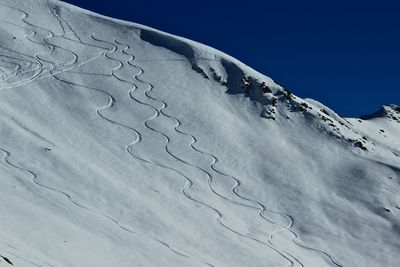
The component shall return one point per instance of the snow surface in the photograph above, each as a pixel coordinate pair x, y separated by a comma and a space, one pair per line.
125, 146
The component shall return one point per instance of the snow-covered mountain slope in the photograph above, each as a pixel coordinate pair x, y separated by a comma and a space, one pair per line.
125, 146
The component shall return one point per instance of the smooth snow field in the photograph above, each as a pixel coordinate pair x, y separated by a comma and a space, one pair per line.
124, 146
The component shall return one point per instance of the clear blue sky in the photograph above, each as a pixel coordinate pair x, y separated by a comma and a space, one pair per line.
345, 54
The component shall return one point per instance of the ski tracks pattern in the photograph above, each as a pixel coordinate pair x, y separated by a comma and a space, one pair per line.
237, 183
157, 113
110, 102
130, 147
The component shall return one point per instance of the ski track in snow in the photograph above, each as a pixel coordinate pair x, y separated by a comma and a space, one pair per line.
44, 72
6, 161
129, 148
167, 141
110, 104
22, 258
215, 160
65, 194
23, 18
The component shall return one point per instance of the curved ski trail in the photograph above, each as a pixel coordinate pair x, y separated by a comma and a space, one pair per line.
237, 183
188, 180
129, 148
34, 176
110, 104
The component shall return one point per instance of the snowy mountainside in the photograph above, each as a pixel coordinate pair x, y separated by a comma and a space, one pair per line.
125, 146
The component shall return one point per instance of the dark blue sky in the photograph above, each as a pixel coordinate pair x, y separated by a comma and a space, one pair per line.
346, 54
